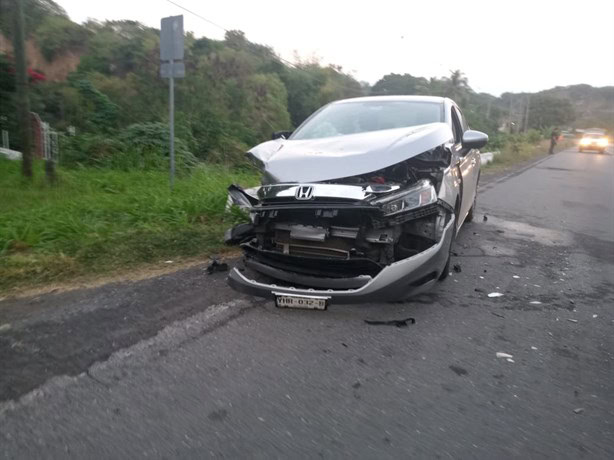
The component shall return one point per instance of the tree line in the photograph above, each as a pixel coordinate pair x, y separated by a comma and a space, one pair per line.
234, 94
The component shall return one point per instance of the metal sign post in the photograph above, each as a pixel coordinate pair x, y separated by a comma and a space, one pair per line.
171, 67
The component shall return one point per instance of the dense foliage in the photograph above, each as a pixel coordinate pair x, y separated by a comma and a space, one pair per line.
234, 95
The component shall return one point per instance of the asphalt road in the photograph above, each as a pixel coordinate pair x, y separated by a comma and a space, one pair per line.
179, 366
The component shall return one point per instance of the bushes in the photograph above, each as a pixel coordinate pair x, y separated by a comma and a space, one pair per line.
141, 146
57, 34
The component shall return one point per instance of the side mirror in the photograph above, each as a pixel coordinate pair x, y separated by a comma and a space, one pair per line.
281, 135
474, 139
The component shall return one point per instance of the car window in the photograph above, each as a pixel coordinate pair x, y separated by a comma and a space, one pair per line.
365, 116
463, 120
456, 127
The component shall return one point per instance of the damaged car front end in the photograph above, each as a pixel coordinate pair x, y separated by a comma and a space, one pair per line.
358, 217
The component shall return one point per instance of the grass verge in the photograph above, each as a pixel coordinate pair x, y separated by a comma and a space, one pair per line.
520, 151
99, 221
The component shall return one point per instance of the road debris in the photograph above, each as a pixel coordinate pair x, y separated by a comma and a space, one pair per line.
594, 316
515, 277
535, 302
217, 266
534, 348
168, 261
579, 410
497, 314
392, 322
495, 294
572, 320
500, 354
457, 268
485, 219
478, 290
5, 327
510, 360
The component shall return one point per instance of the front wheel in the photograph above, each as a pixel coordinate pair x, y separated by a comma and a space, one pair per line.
446, 270
469, 217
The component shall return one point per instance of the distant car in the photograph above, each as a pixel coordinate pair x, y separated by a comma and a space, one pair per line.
361, 203
593, 141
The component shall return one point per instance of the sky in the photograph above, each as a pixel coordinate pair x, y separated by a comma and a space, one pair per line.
500, 45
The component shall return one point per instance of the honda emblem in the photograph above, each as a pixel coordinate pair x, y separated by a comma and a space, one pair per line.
304, 192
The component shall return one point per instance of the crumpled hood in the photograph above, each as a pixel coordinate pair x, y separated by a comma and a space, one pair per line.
315, 160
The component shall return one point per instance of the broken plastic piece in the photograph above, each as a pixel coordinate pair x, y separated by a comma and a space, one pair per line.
216, 266
457, 268
393, 322
500, 354
495, 294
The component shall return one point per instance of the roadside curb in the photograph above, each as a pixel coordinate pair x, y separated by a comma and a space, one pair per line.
497, 179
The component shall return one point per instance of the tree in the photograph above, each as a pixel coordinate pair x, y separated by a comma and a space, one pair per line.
21, 84
456, 86
396, 84
547, 111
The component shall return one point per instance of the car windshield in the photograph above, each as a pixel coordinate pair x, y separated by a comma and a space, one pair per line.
364, 116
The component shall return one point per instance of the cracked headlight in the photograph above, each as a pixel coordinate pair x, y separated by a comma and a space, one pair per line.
420, 195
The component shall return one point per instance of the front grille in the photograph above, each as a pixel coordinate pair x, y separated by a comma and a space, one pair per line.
314, 265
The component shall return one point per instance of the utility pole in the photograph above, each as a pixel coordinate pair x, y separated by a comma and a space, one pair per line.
21, 83
526, 113
510, 116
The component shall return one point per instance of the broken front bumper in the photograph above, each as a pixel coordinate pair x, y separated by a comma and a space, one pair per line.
395, 281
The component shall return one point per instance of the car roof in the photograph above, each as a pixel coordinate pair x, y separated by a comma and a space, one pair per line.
435, 99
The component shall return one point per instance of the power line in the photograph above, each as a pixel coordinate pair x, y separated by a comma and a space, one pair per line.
285, 61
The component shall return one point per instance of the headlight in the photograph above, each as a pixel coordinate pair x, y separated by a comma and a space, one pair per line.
585, 141
420, 195
603, 142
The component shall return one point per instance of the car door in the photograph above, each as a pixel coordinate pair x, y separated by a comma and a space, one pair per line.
469, 164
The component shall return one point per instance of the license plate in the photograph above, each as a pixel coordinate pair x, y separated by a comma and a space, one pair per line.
295, 301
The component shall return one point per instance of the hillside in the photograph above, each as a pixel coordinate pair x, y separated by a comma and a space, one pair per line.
103, 79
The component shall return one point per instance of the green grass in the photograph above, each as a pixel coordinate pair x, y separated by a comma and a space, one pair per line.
98, 221
518, 152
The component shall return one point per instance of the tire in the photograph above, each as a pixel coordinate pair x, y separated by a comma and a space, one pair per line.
446, 270
469, 217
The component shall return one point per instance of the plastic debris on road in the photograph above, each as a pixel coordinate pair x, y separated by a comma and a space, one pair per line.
535, 302
572, 320
495, 294
500, 354
579, 410
217, 266
392, 322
